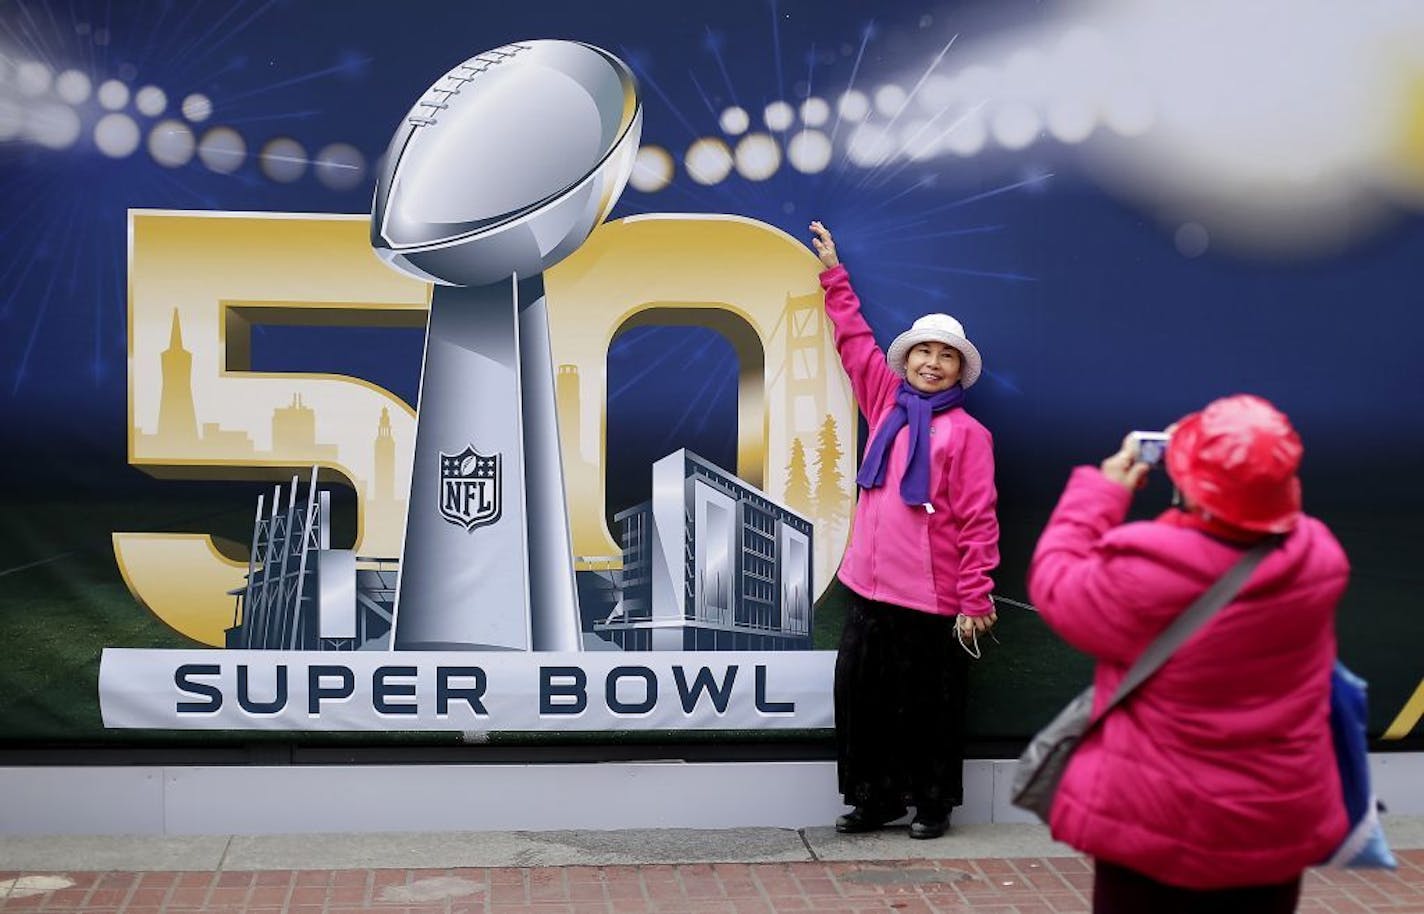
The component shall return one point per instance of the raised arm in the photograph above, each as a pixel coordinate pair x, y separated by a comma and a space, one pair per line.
871, 379
1091, 591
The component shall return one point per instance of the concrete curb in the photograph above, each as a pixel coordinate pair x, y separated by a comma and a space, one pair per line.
454, 850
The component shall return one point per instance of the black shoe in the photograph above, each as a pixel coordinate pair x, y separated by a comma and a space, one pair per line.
867, 818
929, 824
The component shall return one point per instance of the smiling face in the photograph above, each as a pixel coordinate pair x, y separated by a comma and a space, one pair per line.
932, 366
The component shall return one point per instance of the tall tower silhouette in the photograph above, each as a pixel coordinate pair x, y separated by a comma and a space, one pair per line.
566, 395
384, 507
806, 358
385, 481
177, 419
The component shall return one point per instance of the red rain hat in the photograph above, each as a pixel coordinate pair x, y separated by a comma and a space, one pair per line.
1236, 462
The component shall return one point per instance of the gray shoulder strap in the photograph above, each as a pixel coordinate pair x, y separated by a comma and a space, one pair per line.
1192, 618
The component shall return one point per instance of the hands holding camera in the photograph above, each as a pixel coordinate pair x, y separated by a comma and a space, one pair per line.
1140, 452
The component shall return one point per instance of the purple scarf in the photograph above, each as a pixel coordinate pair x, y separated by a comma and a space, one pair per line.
914, 409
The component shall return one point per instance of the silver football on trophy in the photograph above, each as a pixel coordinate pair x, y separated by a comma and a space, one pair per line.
507, 163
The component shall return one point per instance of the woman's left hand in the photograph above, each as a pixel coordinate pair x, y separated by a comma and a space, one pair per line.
977, 624
825, 245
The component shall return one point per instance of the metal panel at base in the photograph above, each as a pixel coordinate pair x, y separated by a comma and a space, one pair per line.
290, 799
295, 799
81, 801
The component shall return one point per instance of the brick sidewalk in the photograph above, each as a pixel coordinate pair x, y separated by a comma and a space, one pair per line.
1021, 886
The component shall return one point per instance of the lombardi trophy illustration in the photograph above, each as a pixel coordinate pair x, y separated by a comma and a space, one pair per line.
500, 170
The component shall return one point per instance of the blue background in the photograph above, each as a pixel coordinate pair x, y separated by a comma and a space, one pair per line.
1090, 321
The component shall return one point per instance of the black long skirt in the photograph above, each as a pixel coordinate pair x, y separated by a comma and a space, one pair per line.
900, 688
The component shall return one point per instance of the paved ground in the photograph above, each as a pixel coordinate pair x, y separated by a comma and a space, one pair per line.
1004, 869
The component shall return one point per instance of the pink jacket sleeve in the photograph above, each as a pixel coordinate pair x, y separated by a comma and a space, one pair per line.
1084, 586
871, 379
972, 501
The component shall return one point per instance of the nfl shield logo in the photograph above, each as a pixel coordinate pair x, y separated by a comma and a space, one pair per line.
469, 488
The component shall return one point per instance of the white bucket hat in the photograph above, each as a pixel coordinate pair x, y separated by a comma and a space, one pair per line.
941, 328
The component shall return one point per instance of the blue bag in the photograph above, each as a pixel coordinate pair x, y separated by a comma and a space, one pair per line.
1364, 844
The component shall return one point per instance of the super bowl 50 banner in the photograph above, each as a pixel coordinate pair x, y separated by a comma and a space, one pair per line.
477, 379
716, 560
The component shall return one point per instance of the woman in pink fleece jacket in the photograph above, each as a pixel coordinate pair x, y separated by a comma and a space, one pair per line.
1214, 785
923, 542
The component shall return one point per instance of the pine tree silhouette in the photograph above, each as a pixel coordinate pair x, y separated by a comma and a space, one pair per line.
832, 499
798, 484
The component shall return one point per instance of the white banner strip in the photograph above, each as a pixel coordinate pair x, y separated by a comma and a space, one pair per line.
466, 691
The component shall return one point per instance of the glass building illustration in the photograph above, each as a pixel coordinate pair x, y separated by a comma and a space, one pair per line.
710, 563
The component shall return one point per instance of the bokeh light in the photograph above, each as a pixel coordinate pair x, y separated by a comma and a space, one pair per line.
708, 161
340, 166
853, 106
815, 112
652, 169
889, 100
1129, 112
171, 143
1071, 120
222, 150
113, 94
151, 101
33, 78
197, 108
1015, 125
73, 87
809, 151
870, 145
779, 116
116, 135
283, 160
758, 157
966, 136
53, 125
735, 121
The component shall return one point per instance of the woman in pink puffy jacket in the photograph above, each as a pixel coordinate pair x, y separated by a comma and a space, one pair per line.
1213, 786
923, 542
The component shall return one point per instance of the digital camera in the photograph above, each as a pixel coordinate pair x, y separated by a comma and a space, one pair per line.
1151, 446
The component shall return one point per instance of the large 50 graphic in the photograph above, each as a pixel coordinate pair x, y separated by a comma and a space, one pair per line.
200, 282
